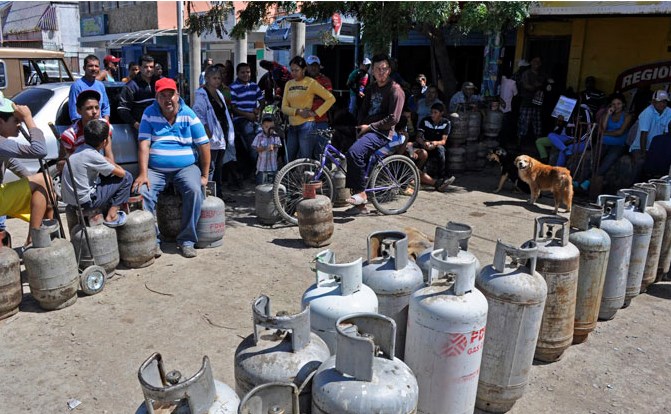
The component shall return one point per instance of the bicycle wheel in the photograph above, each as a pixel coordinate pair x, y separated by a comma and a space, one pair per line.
288, 186
394, 184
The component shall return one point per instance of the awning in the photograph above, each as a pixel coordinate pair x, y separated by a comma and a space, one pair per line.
117, 40
141, 37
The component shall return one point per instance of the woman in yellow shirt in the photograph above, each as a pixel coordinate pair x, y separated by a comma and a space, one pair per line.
296, 103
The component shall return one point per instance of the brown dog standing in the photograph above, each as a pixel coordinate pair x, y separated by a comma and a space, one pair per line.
542, 177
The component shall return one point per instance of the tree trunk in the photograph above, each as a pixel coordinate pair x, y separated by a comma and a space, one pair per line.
445, 80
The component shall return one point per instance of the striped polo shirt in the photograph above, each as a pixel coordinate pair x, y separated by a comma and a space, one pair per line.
172, 147
245, 97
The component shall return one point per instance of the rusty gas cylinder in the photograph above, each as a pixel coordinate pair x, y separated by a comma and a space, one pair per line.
594, 246
315, 218
10, 282
558, 261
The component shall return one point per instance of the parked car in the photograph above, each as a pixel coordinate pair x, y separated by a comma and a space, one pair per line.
21, 68
49, 103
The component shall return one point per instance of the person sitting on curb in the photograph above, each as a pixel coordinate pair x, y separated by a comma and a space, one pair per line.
26, 198
430, 143
99, 182
173, 148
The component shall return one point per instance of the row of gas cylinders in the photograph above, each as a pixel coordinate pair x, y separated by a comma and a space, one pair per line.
53, 267
441, 334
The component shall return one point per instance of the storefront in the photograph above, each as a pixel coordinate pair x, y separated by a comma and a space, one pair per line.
600, 39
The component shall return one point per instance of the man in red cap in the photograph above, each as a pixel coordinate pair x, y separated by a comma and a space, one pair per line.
111, 71
173, 148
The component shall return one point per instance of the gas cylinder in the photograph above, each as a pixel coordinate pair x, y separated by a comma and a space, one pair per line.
340, 192
212, 221
11, 291
364, 377
281, 349
338, 291
516, 296
474, 120
459, 130
266, 212
658, 214
137, 238
493, 121
558, 261
621, 233
169, 214
166, 391
446, 331
663, 197
634, 211
393, 278
315, 221
594, 246
458, 231
104, 247
53, 276
272, 398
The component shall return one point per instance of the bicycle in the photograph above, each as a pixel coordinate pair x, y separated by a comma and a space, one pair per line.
392, 181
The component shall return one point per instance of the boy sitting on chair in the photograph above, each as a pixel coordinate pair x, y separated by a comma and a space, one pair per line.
27, 197
99, 182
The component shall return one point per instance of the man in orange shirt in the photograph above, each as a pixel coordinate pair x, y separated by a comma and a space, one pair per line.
321, 122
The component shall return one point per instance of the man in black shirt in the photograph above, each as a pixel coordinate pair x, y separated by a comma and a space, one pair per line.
432, 133
380, 112
138, 94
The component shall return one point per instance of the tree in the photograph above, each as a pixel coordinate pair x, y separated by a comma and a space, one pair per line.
384, 21
210, 21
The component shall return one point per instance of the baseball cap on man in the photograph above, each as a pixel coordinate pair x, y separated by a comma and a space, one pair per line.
660, 96
313, 59
5, 104
110, 58
164, 84
86, 95
366, 61
468, 85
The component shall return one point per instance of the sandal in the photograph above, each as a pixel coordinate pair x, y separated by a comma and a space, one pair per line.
359, 210
120, 220
443, 184
356, 200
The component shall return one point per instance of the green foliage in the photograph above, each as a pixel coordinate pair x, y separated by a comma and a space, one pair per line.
210, 21
383, 21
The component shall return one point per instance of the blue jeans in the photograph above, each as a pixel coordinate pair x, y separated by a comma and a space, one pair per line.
187, 183
352, 104
611, 153
300, 141
112, 191
245, 131
357, 159
216, 167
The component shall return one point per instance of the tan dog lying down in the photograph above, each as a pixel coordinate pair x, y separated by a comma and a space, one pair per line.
417, 242
542, 177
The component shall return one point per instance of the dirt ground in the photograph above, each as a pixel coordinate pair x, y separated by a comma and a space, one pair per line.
188, 308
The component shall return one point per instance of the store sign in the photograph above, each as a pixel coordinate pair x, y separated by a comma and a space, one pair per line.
645, 75
94, 25
336, 20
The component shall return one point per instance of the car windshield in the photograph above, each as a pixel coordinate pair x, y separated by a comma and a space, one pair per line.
33, 98
46, 71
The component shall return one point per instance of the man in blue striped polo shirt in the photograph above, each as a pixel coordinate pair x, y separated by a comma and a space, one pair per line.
245, 97
173, 148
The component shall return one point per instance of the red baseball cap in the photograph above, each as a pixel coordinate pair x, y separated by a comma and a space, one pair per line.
164, 84
110, 58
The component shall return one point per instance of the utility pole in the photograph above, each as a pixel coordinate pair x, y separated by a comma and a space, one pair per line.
180, 47
297, 38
